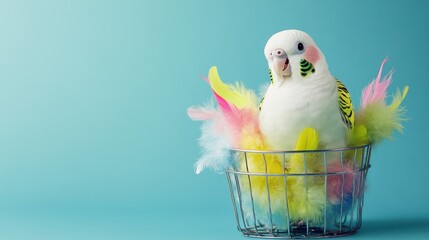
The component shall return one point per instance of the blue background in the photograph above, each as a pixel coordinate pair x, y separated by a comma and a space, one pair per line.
94, 138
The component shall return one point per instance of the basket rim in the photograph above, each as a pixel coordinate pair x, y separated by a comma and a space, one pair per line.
369, 145
321, 174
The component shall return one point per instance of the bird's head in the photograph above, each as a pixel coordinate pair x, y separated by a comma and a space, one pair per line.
293, 54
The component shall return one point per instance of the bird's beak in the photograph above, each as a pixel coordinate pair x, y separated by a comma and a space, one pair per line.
281, 63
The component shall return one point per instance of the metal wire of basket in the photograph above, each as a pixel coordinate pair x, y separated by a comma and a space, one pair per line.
262, 212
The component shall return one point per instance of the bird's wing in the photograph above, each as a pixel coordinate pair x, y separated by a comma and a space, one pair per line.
345, 104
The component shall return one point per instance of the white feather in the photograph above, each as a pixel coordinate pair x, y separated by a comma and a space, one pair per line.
287, 110
215, 145
263, 89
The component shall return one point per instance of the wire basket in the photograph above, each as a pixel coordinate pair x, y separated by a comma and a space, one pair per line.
298, 194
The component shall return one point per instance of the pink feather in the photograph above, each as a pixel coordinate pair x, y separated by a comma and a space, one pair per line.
206, 79
337, 182
222, 129
202, 113
237, 119
377, 89
223, 104
233, 117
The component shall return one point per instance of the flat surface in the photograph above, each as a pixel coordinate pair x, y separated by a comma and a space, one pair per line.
94, 138
174, 226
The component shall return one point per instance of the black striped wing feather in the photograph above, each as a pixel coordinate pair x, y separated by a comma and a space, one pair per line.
345, 104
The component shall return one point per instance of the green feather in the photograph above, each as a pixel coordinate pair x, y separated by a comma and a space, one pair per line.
306, 67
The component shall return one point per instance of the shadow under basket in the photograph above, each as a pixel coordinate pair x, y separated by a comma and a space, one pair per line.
298, 194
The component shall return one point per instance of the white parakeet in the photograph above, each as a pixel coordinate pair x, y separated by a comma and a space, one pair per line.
302, 94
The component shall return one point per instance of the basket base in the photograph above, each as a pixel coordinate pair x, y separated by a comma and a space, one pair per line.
296, 233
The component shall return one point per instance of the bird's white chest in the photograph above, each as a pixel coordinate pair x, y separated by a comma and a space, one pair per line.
291, 107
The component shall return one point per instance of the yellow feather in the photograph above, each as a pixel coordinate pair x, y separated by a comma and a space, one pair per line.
302, 202
308, 140
398, 98
306, 202
357, 136
236, 95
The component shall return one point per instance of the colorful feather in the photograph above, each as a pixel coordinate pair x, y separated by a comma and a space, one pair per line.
340, 185
234, 124
215, 154
375, 117
229, 94
302, 203
377, 89
305, 193
202, 113
357, 136
214, 140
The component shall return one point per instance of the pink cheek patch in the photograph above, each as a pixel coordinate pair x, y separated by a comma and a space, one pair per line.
312, 54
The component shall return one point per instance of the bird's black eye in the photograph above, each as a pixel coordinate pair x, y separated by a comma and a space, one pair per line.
300, 46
